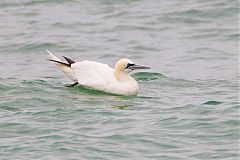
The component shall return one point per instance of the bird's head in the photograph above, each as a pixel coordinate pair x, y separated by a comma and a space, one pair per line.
126, 66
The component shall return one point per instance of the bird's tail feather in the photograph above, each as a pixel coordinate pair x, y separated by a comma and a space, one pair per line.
65, 67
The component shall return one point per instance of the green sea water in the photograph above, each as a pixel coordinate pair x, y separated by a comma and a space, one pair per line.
188, 104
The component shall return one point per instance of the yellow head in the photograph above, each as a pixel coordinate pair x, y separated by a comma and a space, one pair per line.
125, 66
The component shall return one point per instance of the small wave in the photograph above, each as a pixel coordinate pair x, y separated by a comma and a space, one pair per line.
31, 3
212, 103
29, 48
148, 76
8, 108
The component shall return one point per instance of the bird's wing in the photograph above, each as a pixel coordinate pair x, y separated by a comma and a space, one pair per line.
94, 75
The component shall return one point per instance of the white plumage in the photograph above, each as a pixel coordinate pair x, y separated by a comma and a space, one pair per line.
101, 77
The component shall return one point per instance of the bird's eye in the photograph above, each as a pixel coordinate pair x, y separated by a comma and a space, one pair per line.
129, 65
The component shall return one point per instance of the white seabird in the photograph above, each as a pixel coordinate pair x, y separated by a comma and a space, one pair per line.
101, 77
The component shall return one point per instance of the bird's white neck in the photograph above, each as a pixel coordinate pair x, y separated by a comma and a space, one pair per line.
122, 76
126, 83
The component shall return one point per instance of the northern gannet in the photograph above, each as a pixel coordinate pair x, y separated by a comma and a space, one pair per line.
101, 77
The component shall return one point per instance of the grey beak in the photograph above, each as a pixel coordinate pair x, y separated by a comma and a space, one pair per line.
137, 66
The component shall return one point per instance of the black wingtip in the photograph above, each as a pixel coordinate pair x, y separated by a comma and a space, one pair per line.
69, 65
69, 60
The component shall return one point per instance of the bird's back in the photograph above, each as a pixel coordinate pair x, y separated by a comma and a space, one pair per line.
93, 74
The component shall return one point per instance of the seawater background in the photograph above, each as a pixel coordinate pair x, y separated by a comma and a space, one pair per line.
188, 105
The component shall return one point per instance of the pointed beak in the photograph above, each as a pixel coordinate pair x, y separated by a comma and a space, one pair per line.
137, 66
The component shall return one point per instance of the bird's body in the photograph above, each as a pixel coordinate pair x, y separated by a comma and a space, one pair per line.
99, 76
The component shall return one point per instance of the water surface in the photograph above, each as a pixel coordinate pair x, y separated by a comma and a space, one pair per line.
188, 105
